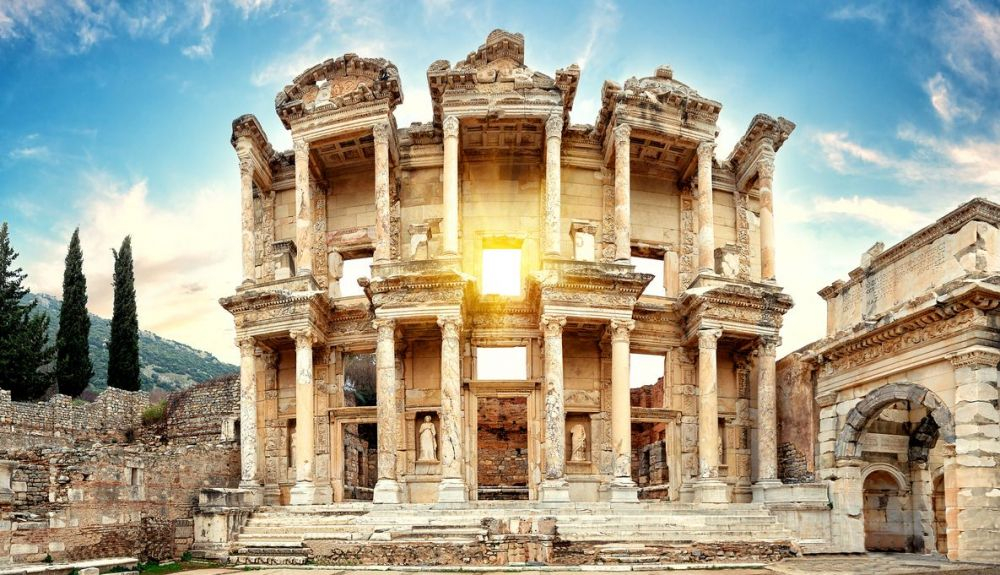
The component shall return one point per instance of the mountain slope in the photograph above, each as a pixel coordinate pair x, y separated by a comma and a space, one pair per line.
165, 364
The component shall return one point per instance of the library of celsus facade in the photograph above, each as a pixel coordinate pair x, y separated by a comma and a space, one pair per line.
501, 241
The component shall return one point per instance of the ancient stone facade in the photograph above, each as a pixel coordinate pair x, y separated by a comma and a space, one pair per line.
902, 421
499, 168
89, 480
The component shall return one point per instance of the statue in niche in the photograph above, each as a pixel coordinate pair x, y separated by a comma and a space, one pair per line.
428, 440
578, 443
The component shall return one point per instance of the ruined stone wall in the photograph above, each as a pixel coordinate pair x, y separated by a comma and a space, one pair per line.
111, 486
797, 421
61, 420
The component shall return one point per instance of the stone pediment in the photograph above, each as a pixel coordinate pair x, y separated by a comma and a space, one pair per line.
339, 83
660, 91
497, 67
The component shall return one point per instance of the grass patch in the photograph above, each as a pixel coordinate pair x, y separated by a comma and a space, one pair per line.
154, 413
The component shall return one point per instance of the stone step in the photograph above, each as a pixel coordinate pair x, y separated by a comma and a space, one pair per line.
268, 560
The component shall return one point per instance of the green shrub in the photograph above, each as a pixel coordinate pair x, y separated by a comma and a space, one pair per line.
154, 413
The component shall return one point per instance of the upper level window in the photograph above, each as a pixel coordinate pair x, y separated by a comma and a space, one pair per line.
354, 269
502, 271
502, 363
651, 266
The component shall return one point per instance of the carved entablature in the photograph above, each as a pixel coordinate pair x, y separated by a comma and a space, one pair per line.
754, 152
337, 84
432, 287
504, 316
495, 74
736, 308
352, 327
672, 105
595, 286
264, 313
252, 147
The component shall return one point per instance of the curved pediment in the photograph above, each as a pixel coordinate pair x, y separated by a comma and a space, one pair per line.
339, 83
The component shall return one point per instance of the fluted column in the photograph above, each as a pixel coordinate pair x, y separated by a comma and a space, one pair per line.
382, 203
765, 179
554, 487
304, 491
623, 195
706, 209
709, 488
303, 209
248, 221
767, 419
452, 487
386, 489
622, 486
553, 184
250, 473
449, 223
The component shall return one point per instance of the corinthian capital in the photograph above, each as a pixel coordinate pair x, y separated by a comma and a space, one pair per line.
552, 325
765, 169
622, 134
976, 356
303, 337
381, 133
554, 126
450, 127
246, 167
246, 345
708, 338
450, 325
621, 329
768, 345
386, 328
301, 147
705, 151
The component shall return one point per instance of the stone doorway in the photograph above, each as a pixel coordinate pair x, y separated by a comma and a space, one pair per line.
650, 465
940, 516
885, 513
502, 448
360, 442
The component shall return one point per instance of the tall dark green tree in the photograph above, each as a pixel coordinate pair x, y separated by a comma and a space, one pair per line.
123, 349
73, 366
24, 342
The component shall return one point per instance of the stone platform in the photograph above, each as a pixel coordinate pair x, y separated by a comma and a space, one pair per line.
510, 533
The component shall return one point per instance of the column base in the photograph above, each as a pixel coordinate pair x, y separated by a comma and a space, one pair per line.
623, 490
710, 491
452, 490
304, 493
554, 491
686, 493
255, 492
387, 491
761, 487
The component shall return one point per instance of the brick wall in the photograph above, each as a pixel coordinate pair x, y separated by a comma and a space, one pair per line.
503, 442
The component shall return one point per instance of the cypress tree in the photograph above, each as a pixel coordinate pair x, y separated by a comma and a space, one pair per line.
123, 349
24, 342
73, 366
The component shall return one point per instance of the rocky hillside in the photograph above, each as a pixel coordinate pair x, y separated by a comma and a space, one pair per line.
165, 364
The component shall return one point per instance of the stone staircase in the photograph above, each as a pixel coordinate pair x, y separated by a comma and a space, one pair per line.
501, 532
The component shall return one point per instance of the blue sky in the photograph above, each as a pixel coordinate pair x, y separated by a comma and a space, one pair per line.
116, 117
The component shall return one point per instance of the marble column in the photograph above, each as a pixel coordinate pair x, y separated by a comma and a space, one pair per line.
303, 209
623, 201
765, 179
449, 223
708, 489
767, 418
246, 208
706, 209
452, 488
554, 486
623, 489
250, 472
386, 488
304, 491
382, 201
553, 185
273, 429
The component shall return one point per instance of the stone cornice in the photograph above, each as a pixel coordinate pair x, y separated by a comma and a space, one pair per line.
344, 82
977, 209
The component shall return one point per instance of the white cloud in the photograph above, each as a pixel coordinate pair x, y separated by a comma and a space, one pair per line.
969, 35
30, 153
186, 255
896, 219
875, 13
248, 7
840, 152
602, 20
946, 103
200, 51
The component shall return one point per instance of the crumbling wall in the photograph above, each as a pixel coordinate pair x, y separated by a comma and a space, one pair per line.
503, 444
797, 421
111, 486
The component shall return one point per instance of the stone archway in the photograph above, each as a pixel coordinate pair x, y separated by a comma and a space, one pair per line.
886, 513
848, 441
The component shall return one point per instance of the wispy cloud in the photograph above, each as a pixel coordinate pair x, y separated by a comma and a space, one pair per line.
177, 282
946, 102
895, 218
201, 50
248, 7
603, 19
30, 153
969, 36
281, 70
870, 12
